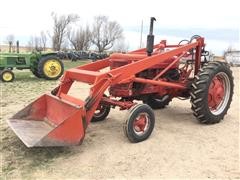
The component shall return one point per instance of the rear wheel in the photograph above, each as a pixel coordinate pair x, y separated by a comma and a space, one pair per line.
34, 68
212, 91
50, 67
158, 102
139, 123
35, 73
7, 76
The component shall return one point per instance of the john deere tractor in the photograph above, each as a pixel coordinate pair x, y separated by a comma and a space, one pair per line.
42, 65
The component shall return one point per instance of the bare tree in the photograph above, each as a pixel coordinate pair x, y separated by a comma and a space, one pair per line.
60, 28
121, 46
30, 44
105, 33
230, 48
34, 44
10, 40
37, 43
43, 38
81, 39
65, 46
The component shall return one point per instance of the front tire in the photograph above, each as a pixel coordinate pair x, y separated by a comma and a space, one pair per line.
7, 76
101, 113
212, 91
139, 123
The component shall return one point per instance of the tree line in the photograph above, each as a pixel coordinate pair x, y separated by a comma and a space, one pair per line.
102, 35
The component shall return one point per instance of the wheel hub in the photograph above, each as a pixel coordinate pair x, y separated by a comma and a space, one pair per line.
7, 76
100, 110
219, 93
216, 92
52, 68
141, 123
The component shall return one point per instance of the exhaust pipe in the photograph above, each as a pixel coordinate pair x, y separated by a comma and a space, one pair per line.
150, 38
10, 46
17, 46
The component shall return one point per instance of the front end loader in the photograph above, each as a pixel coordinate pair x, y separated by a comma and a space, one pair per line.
154, 75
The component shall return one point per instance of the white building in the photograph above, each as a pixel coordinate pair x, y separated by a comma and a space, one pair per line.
233, 58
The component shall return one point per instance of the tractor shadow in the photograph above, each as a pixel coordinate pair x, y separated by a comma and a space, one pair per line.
179, 114
177, 117
27, 77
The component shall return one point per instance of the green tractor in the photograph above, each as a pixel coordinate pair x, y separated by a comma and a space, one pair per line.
42, 65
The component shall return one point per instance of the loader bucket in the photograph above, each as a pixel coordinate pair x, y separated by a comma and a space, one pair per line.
49, 121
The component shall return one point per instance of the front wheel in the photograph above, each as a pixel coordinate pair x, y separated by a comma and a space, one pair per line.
139, 123
101, 112
7, 76
212, 91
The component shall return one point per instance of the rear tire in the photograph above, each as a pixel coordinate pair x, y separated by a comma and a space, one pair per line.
139, 123
35, 73
7, 76
50, 67
34, 68
212, 91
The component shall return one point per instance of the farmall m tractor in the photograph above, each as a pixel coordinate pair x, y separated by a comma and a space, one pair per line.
153, 75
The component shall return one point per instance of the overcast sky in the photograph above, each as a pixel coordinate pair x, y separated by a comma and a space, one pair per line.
218, 21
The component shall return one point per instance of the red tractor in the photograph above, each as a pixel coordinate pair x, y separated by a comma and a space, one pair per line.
154, 75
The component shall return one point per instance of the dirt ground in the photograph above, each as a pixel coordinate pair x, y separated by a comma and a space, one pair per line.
179, 146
